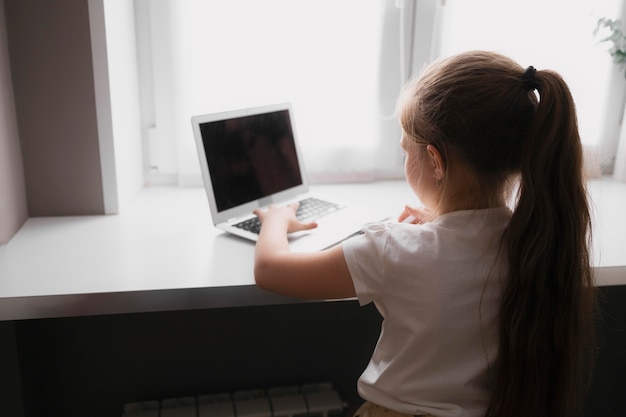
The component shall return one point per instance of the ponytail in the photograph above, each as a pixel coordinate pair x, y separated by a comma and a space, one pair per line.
546, 312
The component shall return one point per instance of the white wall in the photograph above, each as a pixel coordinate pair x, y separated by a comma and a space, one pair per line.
13, 209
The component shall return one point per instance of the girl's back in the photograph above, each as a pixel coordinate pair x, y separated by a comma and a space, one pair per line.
438, 287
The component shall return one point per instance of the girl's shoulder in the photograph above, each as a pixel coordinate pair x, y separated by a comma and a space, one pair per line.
446, 234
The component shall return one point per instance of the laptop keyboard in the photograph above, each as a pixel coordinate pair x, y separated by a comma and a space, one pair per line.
310, 209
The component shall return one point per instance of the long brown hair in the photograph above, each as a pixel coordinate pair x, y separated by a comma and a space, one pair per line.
507, 122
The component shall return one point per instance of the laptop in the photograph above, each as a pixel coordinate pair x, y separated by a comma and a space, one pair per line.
250, 159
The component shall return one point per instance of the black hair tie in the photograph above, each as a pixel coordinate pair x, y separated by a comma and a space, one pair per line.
529, 81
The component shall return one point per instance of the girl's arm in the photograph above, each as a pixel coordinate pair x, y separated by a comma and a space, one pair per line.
318, 275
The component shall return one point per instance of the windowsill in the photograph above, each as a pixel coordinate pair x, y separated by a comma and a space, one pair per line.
162, 253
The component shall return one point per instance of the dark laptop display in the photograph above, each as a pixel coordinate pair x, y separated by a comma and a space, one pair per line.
250, 157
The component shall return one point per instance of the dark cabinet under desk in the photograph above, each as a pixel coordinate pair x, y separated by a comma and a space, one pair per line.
94, 365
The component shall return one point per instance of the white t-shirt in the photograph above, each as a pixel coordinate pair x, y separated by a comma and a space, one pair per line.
437, 286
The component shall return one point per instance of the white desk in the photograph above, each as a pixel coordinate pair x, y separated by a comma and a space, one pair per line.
162, 253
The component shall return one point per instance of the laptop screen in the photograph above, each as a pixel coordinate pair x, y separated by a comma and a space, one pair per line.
250, 157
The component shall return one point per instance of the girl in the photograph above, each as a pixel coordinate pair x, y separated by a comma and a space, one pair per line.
487, 310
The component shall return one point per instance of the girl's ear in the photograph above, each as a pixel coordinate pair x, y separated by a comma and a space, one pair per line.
436, 161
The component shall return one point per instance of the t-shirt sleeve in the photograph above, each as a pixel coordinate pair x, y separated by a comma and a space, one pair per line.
364, 257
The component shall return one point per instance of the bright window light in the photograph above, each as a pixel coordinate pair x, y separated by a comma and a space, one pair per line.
322, 56
339, 63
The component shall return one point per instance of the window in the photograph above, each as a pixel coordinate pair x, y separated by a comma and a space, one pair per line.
337, 62
342, 64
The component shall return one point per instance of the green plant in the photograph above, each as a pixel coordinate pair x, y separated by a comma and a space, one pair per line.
611, 31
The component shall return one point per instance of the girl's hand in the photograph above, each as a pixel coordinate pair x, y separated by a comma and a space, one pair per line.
284, 216
414, 215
